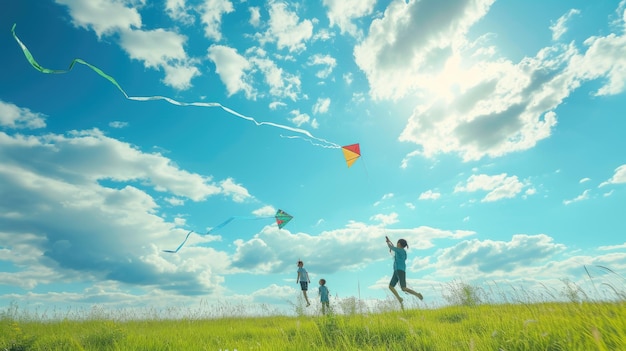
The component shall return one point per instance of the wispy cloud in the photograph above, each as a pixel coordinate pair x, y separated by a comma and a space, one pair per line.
498, 186
559, 27
581, 197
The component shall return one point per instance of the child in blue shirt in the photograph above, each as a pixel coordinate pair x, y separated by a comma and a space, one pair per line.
323, 291
399, 270
303, 279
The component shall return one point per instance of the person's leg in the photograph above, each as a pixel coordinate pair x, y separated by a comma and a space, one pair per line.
305, 287
402, 278
306, 298
392, 284
413, 292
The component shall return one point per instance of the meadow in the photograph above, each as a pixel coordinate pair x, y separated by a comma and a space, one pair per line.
468, 322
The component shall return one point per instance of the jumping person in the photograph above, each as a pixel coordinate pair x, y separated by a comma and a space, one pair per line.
399, 270
303, 279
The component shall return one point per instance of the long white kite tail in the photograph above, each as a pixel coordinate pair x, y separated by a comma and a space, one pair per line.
320, 142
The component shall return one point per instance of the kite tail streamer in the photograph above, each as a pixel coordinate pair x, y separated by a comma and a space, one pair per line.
221, 225
37, 66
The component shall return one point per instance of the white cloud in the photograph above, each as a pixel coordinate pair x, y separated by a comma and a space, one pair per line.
323, 60
413, 38
232, 68
276, 104
12, 116
385, 219
154, 47
272, 250
619, 177
387, 196
174, 201
157, 48
605, 58
300, 118
281, 83
584, 180
348, 78
321, 106
161, 49
429, 195
285, 28
489, 256
118, 124
264, 211
613, 247
103, 16
341, 13
255, 16
559, 27
476, 108
499, 186
211, 15
236, 191
177, 11
581, 197
56, 215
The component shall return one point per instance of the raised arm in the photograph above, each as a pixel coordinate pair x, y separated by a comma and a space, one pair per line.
389, 243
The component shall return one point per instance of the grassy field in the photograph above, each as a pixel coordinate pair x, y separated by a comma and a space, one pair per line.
536, 326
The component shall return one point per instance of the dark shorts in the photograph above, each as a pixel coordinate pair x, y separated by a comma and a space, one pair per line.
398, 276
304, 286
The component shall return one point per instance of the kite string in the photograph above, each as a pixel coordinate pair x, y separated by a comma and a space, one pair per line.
37, 66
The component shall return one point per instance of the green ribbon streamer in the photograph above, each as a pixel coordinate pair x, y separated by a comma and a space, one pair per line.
37, 66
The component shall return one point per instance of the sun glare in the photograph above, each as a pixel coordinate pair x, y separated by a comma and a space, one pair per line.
447, 83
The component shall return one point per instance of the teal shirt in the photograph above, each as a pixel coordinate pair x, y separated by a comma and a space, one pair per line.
323, 290
399, 261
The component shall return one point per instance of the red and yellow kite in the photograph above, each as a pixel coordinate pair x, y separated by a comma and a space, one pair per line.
351, 153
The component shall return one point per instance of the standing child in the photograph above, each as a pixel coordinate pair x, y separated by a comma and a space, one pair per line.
399, 269
323, 291
303, 279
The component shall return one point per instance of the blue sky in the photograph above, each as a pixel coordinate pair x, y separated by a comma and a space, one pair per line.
491, 132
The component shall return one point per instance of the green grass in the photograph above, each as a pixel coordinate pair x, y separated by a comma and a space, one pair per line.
473, 321
538, 326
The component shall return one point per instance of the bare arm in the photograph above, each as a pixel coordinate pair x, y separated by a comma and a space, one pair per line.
389, 243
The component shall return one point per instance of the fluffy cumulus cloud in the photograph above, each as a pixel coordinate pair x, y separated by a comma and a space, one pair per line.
154, 47
490, 256
286, 29
61, 223
272, 250
178, 11
342, 13
478, 108
412, 38
14, 117
103, 16
212, 12
281, 83
157, 48
232, 69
